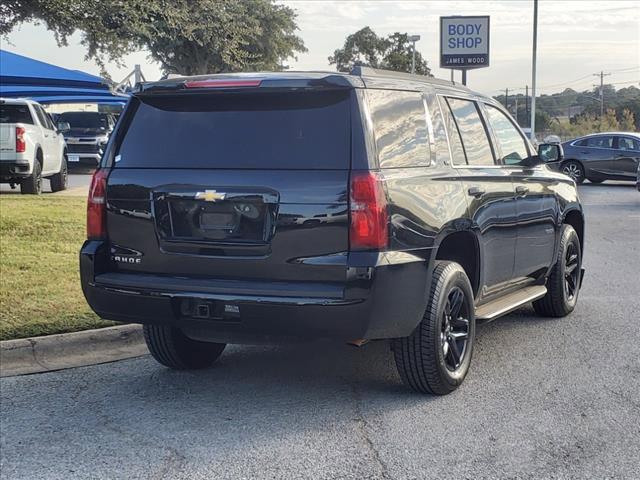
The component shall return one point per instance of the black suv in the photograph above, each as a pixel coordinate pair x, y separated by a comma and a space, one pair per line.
257, 207
86, 136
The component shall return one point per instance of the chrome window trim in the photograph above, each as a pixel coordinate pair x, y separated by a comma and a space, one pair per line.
573, 144
430, 132
446, 132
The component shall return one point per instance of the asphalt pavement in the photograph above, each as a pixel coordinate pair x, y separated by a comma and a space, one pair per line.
78, 185
545, 398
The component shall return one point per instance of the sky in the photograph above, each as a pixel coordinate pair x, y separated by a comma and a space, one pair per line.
576, 38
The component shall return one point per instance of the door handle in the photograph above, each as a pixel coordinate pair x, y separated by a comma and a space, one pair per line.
476, 192
520, 190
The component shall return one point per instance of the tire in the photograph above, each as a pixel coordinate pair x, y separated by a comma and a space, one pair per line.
574, 170
60, 180
33, 184
170, 347
596, 180
425, 360
563, 284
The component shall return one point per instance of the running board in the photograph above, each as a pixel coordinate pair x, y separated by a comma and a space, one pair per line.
503, 305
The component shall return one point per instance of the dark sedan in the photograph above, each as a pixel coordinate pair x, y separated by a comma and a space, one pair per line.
602, 156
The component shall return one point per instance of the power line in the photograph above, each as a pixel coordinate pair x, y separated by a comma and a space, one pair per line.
566, 83
627, 69
625, 83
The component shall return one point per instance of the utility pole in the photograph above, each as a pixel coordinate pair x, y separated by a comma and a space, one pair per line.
137, 74
506, 98
526, 103
517, 110
601, 75
533, 69
413, 39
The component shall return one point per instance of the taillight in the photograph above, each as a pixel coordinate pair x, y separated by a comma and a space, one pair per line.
368, 209
96, 206
21, 144
220, 83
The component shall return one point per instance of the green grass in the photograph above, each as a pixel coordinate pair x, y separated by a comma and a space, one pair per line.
40, 290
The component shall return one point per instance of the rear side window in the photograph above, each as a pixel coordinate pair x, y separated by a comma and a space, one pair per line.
472, 131
400, 128
626, 143
309, 130
12, 113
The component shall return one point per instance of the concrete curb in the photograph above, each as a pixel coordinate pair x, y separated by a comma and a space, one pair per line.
69, 350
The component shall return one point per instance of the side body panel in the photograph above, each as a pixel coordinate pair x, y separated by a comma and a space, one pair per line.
493, 217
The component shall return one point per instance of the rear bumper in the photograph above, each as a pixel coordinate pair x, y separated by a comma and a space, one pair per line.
384, 297
15, 169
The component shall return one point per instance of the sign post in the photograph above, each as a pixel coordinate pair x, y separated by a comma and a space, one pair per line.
464, 43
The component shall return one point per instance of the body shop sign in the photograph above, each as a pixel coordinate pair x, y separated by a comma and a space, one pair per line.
464, 42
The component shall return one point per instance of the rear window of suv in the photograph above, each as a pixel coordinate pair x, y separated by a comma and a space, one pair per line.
239, 131
15, 113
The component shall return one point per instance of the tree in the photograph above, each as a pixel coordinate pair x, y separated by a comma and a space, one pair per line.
582, 109
543, 120
364, 47
632, 108
185, 36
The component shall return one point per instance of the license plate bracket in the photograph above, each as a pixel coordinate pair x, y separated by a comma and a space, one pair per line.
226, 221
218, 311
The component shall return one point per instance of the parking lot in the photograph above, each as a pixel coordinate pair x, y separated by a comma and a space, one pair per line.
78, 185
545, 398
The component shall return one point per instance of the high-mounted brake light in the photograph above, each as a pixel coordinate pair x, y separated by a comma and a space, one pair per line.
96, 206
222, 83
368, 209
21, 144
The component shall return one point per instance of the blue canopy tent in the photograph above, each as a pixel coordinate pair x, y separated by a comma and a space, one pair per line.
45, 83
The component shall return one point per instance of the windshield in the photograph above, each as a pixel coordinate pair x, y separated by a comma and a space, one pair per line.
85, 119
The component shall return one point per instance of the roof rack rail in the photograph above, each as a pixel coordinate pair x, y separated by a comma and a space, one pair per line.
362, 71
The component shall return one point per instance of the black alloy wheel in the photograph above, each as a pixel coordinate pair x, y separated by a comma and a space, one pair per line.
454, 333
571, 271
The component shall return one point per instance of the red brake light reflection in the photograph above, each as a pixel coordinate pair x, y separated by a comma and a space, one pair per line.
222, 83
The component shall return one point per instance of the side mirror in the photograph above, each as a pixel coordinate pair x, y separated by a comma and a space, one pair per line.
550, 152
63, 127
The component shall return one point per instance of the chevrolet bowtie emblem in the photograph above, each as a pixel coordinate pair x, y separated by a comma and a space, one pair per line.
210, 196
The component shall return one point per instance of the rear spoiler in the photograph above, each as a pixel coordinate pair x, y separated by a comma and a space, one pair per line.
235, 83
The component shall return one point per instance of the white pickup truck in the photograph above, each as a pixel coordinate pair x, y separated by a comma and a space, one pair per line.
31, 147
